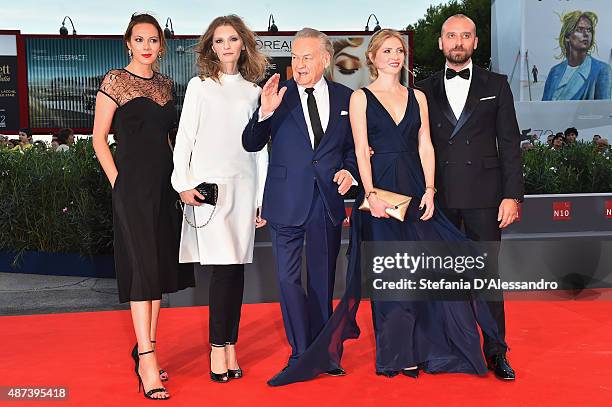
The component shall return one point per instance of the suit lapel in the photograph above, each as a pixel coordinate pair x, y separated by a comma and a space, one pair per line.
477, 87
295, 107
334, 110
443, 100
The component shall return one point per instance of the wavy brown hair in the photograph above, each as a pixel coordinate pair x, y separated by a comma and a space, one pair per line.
252, 64
146, 19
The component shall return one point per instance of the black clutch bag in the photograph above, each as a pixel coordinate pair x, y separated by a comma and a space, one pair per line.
210, 193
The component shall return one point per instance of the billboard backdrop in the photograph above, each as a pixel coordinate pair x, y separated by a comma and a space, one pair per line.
571, 55
9, 101
525, 34
64, 73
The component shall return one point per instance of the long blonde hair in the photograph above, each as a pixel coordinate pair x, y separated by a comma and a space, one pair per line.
569, 21
376, 42
252, 64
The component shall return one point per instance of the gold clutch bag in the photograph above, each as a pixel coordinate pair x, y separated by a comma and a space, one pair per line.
400, 203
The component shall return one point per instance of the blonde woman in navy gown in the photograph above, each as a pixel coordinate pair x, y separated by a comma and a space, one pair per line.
392, 120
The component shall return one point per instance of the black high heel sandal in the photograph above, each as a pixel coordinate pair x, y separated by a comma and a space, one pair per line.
161, 371
151, 392
234, 373
218, 377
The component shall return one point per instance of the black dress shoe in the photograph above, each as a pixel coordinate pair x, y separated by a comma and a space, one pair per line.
414, 373
387, 373
336, 372
501, 367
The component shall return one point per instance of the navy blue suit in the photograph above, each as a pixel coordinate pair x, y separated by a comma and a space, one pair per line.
302, 203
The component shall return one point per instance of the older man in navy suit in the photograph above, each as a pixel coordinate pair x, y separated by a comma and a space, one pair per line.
312, 164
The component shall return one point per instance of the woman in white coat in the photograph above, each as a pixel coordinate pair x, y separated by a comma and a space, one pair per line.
218, 105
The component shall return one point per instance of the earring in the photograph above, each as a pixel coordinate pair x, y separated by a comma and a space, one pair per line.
130, 53
159, 56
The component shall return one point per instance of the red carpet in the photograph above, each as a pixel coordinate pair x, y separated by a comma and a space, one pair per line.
562, 352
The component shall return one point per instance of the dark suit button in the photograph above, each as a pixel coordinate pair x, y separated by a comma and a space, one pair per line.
445, 162
469, 163
315, 162
450, 142
439, 125
467, 142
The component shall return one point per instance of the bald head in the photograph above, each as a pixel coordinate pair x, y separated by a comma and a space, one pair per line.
460, 19
458, 40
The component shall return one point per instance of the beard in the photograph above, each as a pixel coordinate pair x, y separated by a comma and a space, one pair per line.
456, 58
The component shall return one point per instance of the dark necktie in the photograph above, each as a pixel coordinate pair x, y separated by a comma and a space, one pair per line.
315, 120
463, 74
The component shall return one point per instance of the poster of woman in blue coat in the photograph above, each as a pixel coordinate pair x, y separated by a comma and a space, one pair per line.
579, 76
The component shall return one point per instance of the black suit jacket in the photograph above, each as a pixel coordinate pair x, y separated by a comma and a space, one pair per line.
478, 156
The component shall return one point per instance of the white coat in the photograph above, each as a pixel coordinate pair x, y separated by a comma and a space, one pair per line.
209, 149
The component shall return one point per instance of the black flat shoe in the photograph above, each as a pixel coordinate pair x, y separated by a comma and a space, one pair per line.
387, 373
336, 372
501, 367
235, 374
414, 373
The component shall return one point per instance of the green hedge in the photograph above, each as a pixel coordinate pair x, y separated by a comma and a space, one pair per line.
55, 202
579, 168
61, 202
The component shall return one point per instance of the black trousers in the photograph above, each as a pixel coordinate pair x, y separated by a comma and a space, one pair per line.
225, 301
481, 225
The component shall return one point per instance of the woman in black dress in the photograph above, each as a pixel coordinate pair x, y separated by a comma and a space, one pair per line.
139, 103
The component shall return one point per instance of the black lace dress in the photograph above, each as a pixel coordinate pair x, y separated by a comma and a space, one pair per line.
146, 220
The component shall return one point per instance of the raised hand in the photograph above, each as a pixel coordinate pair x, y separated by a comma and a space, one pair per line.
271, 97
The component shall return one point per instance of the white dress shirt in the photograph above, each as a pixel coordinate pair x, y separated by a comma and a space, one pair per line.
321, 94
457, 90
